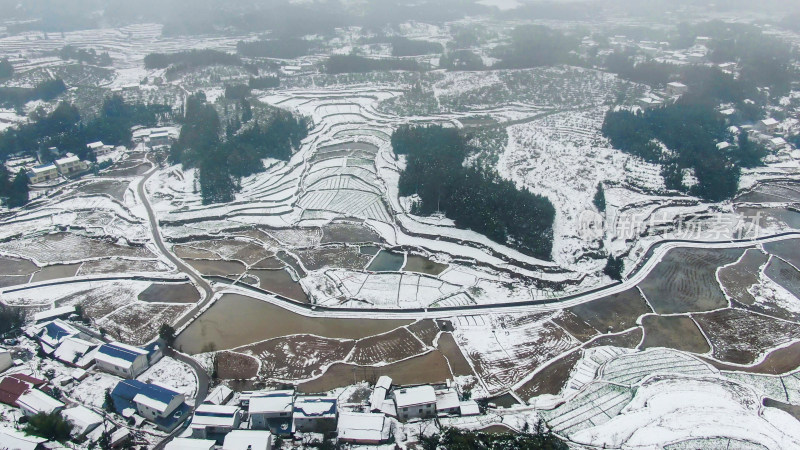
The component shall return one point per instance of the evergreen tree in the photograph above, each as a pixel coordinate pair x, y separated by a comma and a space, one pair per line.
6, 69
614, 268
247, 111
19, 191
600, 198
50, 426
167, 334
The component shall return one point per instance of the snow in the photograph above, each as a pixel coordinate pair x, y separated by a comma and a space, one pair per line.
419, 395
172, 374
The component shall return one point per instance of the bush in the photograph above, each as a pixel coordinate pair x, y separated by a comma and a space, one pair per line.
51, 426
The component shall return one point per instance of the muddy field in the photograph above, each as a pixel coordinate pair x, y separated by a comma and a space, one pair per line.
740, 336
237, 320
108, 266
342, 257
575, 326
114, 188
62, 247
428, 368
280, 282
616, 312
210, 267
629, 339
235, 366
16, 266
788, 250
424, 265
390, 347
685, 280
170, 293
552, 379
426, 330
349, 233
738, 278
56, 272
449, 348
297, 357
772, 192
677, 332
784, 274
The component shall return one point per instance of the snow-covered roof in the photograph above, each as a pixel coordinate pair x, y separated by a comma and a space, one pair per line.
723, 145
676, 84
377, 398
361, 427
316, 407
129, 392
219, 395
384, 382
83, 419
418, 395
43, 169
215, 416
247, 440
53, 313
17, 440
470, 408
76, 351
95, 145
36, 401
190, 444
52, 333
119, 355
446, 399
769, 122
271, 402
67, 160
777, 141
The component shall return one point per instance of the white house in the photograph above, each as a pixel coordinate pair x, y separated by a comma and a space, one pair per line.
776, 144
248, 440
314, 414
470, 408
190, 444
83, 420
51, 334
415, 402
43, 173
219, 396
70, 165
275, 406
35, 401
54, 313
17, 440
159, 139
362, 428
6, 360
164, 407
214, 421
447, 402
121, 359
378, 397
767, 125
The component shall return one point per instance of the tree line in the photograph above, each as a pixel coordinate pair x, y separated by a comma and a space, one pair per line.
358, 64
90, 56
16, 97
221, 163
191, 59
402, 46
690, 132
288, 48
475, 199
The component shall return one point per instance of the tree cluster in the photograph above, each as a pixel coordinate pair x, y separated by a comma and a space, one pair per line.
473, 198
535, 46
15, 97
14, 192
457, 439
237, 91
90, 56
190, 59
614, 268
276, 48
222, 163
6, 69
462, 60
268, 82
402, 46
359, 64
11, 318
690, 132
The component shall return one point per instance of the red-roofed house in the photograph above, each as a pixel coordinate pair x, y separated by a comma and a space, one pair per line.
11, 389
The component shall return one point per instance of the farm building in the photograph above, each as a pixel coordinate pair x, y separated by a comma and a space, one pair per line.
70, 165
54, 313
122, 359
272, 410
362, 428
415, 402
6, 361
314, 414
379, 393
214, 421
220, 395
447, 402
190, 444
51, 334
248, 440
162, 406
159, 139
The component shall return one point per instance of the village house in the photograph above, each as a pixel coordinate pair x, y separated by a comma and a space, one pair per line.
159, 138
447, 402
314, 414
272, 410
17, 440
123, 360
83, 420
214, 421
42, 174
34, 401
76, 352
415, 402
378, 397
248, 440
61, 312
769, 125
362, 428
162, 406
675, 89
51, 334
220, 395
70, 165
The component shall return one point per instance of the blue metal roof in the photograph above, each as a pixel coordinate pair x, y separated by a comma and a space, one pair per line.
118, 352
55, 331
126, 390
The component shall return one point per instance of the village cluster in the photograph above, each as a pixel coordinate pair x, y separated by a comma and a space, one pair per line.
131, 411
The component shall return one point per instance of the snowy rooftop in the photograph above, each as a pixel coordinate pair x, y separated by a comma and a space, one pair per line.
37, 401
76, 351
53, 313
418, 395
470, 408
271, 402
18, 440
67, 160
447, 399
215, 416
361, 427
43, 169
247, 440
95, 145
82, 418
128, 392
219, 395
384, 382
118, 354
320, 407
